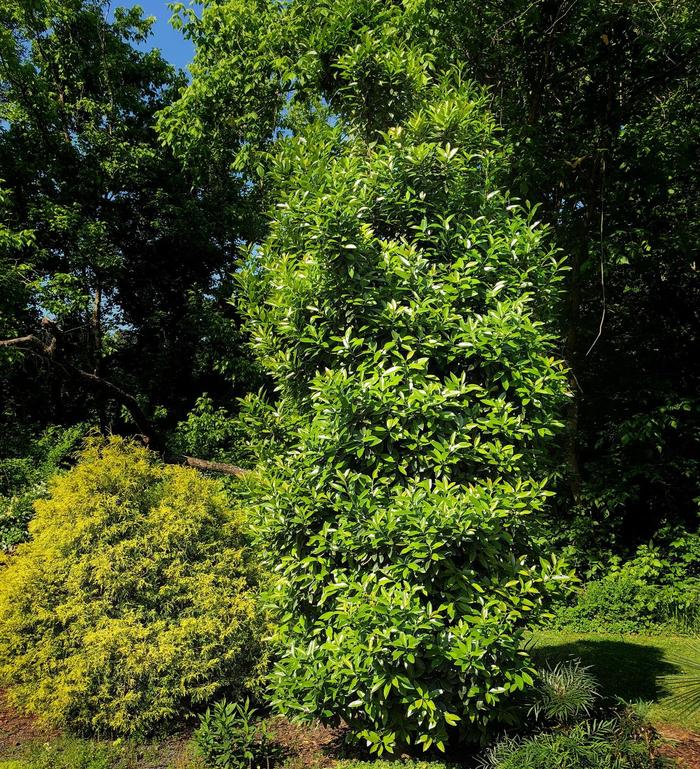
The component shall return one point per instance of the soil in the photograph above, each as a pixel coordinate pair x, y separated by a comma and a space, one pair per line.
303, 747
680, 745
308, 746
17, 730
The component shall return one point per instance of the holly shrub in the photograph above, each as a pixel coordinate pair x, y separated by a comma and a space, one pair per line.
134, 602
398, 305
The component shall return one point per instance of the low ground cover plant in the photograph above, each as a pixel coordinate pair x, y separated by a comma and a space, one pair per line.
657, 590
589, 745
563, 693
567, 728
134, 602
404, 764
66, 752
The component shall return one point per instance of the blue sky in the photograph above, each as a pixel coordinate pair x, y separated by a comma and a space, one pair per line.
174, 47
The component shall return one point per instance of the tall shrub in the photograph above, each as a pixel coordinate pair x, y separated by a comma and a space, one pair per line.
400, 304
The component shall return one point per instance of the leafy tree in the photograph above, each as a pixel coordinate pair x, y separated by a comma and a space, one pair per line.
600, 101
130, 254
400, 304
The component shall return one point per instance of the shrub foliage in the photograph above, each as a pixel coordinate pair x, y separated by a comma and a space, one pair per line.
656, 591
133, 602
609, 744
397, 305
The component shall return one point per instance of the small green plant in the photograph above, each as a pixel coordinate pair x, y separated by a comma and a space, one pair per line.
685, 686
564, 692
606, 744
230, 736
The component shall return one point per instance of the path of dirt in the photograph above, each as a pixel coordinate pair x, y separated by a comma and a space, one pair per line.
681, 745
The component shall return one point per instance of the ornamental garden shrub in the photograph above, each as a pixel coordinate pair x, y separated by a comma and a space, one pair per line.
400, 304
134, 602
597, 744
567, 725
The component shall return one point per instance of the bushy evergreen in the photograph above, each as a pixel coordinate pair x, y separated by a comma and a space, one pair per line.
134, 601
398, 305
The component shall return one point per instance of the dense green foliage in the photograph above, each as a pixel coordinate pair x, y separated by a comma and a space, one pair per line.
657, 590
103, 231
134, 600
600, 103
447, 253
400, 304
23, 479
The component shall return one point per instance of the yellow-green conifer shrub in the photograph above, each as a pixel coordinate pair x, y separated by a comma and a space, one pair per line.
134, 603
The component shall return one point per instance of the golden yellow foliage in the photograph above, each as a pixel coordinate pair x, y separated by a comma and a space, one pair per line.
134, 602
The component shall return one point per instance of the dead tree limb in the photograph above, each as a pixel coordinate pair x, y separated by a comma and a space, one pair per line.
212, 467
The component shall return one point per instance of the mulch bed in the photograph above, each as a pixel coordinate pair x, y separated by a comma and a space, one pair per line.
17, 730
306, 746
681, 745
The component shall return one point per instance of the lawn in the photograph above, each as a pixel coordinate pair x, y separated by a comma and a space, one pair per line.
628, 667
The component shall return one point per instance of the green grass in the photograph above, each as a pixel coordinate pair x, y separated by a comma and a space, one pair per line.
65, 752
626, 666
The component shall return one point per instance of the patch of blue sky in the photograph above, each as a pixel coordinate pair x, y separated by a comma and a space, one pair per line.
171, 42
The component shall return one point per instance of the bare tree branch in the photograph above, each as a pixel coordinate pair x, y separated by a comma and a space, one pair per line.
20, 340
213, 467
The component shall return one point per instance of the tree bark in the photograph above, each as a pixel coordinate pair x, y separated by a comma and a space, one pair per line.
573, 469
224, 468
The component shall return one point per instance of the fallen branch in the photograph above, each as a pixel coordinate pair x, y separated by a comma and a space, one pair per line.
212, 467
